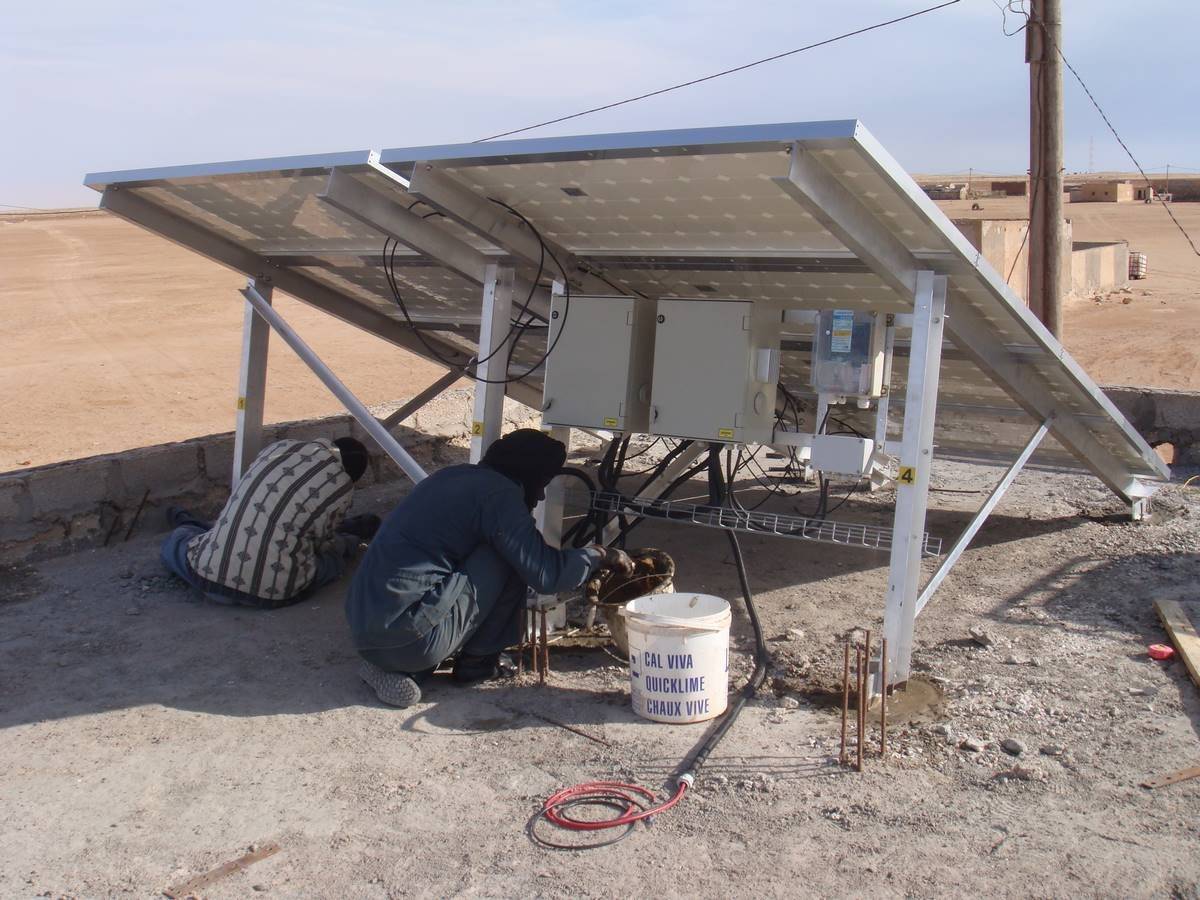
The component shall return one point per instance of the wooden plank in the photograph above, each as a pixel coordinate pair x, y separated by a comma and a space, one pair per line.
1173, 778
190, 888
1183, 634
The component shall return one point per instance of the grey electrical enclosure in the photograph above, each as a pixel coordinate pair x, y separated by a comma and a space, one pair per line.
716, 365
848, 354
599, 373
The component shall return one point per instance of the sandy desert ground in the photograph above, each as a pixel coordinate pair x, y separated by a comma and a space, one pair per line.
114, 338
1152, 339
147, 737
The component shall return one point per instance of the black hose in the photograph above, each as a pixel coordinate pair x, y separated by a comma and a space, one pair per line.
762, 656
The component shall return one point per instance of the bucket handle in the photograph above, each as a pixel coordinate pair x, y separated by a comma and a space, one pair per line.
670, 621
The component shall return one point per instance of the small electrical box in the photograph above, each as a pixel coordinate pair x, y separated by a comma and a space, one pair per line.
848, 354
842, 453
598, 372
716, 367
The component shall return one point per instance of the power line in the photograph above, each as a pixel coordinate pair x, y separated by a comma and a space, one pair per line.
1014, 7
742, 68
1165, 205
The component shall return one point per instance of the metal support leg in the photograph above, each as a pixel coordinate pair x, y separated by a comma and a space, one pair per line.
980, 517
252, 385
494, 329
883, 405
549, 516
353, 405
421, 399
916, 458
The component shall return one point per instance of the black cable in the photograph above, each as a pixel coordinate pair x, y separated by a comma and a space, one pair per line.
854, 487
750, 65
850, 429
509, 338
762, 656
390, 274
670, 489
566, 291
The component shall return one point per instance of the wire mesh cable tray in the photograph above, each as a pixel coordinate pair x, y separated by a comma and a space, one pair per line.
823, 531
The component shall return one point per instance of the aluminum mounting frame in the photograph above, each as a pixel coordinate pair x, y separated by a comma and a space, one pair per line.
921, 272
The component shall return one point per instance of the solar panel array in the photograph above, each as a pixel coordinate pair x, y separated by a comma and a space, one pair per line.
699, 214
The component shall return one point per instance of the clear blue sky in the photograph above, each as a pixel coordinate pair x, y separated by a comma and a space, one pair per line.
126, 83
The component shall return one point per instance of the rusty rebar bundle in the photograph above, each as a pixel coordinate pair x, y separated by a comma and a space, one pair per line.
863, 689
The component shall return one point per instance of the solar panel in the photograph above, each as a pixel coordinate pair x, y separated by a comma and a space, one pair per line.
710, 212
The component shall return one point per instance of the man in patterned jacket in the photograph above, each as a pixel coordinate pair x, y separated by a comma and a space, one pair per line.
281, 534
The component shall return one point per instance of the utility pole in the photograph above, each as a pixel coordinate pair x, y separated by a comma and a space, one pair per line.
1043, 37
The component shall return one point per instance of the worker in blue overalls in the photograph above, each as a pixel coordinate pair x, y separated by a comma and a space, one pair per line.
449, 570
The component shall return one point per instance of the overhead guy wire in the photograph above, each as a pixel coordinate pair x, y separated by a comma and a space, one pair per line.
1012, 6
741, 68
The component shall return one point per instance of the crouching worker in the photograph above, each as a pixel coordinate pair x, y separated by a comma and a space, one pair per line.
447, 573
281, 535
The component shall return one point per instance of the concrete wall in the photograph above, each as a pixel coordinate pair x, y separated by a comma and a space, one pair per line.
65, 506
1185, 190
1004, 244
1099, 267
1169, 420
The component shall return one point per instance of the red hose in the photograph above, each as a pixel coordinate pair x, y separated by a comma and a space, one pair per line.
606, 793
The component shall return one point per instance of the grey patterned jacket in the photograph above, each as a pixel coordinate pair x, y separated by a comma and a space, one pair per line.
283, 512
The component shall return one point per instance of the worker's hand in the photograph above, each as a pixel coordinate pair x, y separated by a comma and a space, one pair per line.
617, 560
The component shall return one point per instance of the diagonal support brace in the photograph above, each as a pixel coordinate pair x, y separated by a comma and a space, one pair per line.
981, 516
353, 405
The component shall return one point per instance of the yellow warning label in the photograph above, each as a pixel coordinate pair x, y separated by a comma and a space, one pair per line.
477, 429
241, 404
610, 422
908, 475
725, 433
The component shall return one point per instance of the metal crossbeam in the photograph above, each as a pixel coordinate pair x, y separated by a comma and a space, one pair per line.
823, 531
127, 205
421, 399
497, 225
384, 213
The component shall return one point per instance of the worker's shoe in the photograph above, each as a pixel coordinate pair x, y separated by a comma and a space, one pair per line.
469, 669
393, 688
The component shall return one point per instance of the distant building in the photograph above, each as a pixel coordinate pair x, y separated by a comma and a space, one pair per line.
1011, 188
1103, 192
1145, 193
1088, 268
946, 191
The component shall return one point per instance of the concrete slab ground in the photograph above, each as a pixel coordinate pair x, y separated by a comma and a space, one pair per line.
147, 737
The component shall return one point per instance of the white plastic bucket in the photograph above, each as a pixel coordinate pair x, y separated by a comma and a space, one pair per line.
678, 656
